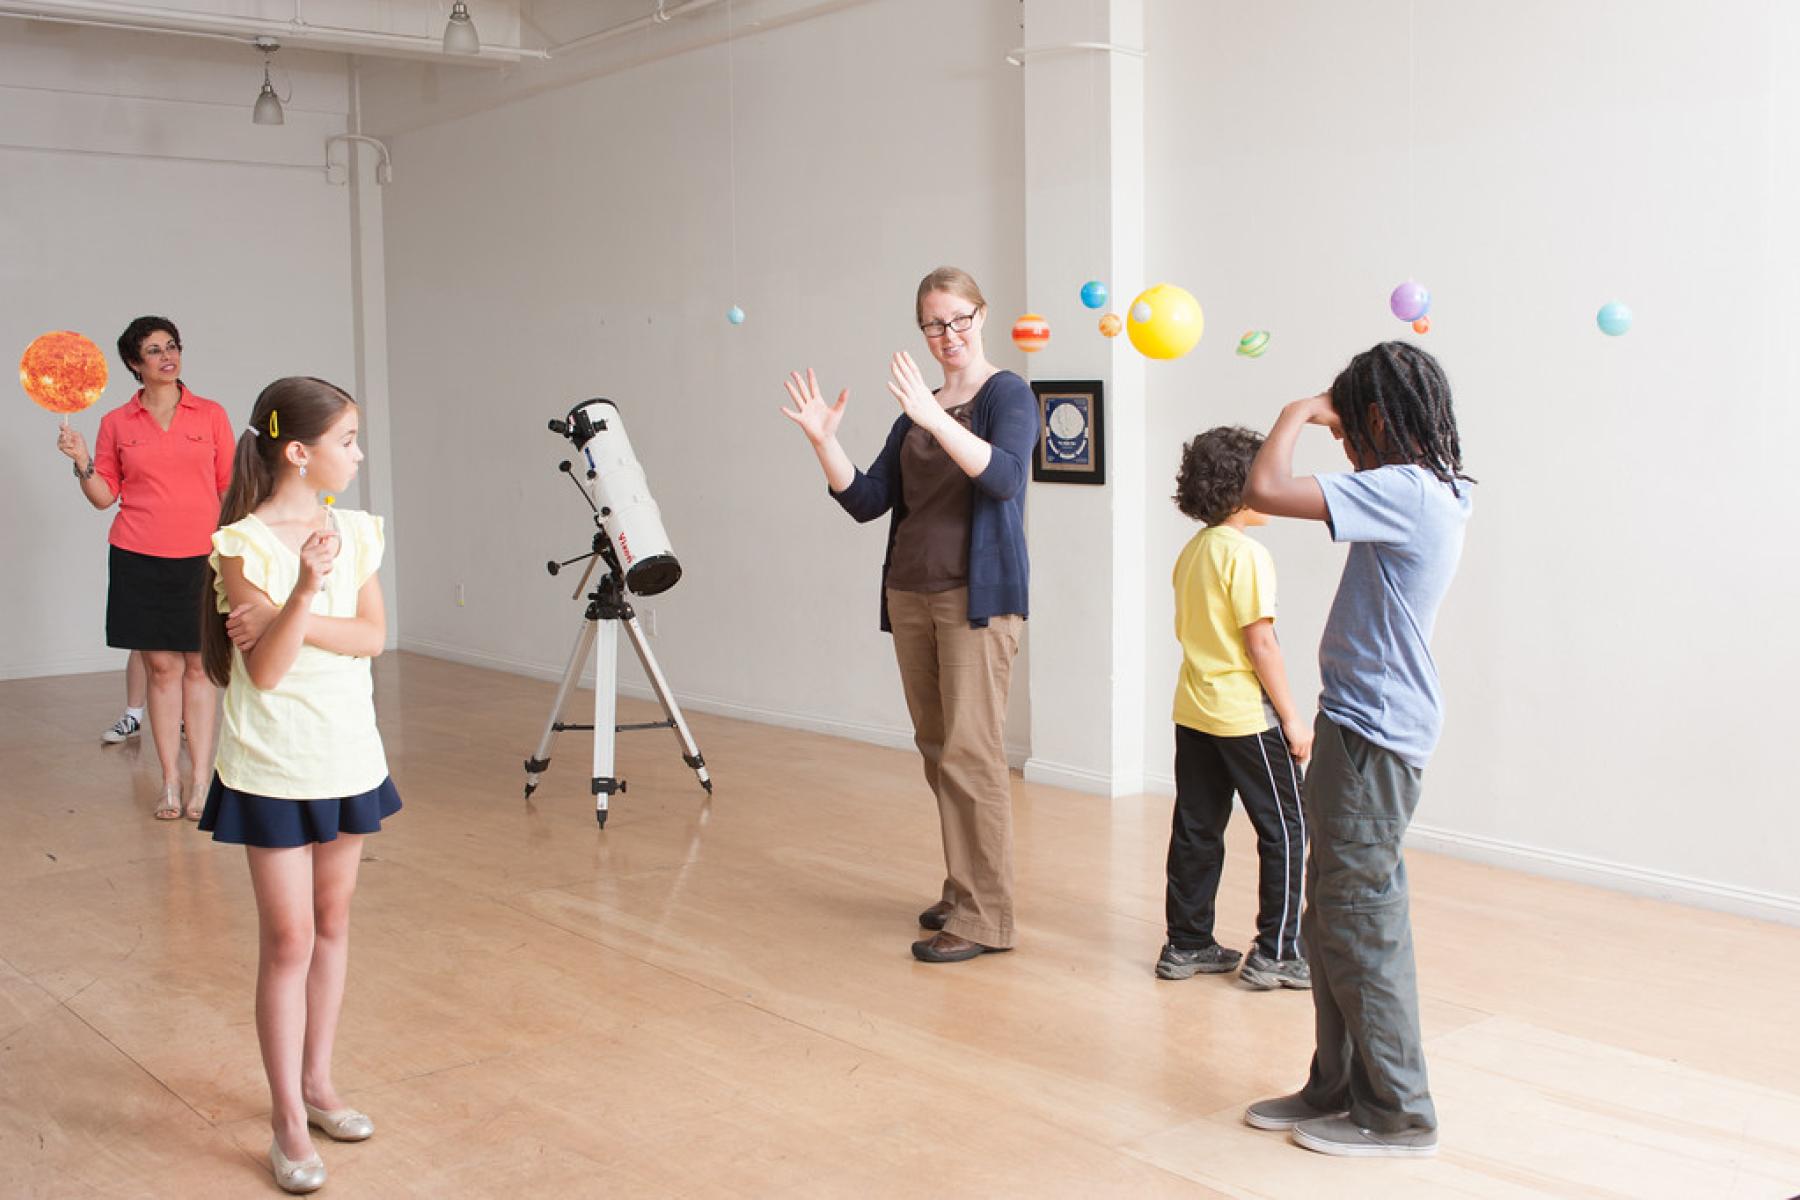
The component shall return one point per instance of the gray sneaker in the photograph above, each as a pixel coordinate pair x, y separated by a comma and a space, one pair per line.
1283, 1112
126, 726
1267, 974
1184, 964
1342, 1136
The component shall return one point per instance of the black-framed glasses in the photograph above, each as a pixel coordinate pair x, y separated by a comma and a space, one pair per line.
956, 324
161, 351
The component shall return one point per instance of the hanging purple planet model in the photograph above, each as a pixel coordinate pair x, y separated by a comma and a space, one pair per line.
1410, 301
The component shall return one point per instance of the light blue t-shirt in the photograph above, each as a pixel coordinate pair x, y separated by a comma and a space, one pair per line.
1376, 672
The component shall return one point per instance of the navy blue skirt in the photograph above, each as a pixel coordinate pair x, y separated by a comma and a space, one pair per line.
246, 819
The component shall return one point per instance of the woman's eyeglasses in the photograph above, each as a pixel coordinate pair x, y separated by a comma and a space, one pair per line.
959, 324
162, 351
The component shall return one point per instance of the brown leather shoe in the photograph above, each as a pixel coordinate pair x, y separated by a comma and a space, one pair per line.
947, 947
935, 916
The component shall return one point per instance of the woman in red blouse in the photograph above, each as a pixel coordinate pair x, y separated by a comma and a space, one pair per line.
165, 456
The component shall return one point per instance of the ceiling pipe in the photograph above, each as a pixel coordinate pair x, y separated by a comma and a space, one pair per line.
294, 32
662, 16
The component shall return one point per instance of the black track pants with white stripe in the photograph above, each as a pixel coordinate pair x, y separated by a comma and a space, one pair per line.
1209, 770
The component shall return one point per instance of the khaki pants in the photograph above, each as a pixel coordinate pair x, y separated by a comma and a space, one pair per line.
956, 681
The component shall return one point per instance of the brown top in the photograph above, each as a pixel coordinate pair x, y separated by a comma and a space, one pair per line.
931, 545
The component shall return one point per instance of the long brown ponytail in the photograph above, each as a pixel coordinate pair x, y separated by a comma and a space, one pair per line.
300, 409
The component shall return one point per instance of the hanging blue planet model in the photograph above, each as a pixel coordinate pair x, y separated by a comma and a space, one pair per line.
1093, 294
1613, 319
735, 315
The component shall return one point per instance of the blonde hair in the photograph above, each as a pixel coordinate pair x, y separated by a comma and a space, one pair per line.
953, 280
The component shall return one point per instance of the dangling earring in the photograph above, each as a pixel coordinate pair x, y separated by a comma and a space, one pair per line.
303, 470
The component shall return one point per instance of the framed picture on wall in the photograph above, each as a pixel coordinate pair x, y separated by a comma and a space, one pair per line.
1071, 431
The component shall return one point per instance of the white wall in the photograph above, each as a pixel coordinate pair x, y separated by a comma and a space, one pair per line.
579, 242
1617, 652
132, 181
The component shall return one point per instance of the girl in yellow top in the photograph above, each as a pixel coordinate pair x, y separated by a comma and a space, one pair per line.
301, 774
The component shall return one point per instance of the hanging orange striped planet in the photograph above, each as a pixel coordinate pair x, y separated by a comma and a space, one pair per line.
63, 372
1031, 333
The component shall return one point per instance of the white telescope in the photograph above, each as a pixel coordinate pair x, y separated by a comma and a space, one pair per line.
622, 497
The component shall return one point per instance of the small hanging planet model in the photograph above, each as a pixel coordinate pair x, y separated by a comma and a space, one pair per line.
1253, 343
1031, 333
1093, 294
1110, 325
735, 315
1422, 325
1614, 319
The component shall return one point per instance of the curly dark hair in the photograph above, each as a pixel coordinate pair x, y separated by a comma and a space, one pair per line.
132, 340
1409, 389
1214, 469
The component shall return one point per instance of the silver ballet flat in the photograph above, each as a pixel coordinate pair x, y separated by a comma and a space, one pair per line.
296, 1177
341, 1124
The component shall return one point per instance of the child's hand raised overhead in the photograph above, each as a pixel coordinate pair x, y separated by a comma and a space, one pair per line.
316, 558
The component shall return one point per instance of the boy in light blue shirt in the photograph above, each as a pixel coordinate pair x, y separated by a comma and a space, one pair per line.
1402, 510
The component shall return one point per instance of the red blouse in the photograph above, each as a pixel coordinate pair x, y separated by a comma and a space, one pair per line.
168, 481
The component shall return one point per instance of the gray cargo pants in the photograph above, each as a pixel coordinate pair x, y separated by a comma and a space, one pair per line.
1359, 799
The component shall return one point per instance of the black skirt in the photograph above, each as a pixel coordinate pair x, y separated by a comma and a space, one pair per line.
246, 819
154, 603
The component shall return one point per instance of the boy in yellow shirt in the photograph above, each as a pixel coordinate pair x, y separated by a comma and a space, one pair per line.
1236, 727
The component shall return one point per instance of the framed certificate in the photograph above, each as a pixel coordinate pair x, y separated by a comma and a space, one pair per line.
1071, 436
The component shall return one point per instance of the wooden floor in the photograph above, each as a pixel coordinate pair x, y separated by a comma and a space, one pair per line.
717, 999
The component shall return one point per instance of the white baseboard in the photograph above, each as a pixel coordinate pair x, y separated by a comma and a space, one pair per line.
78, 664
1070, 778
1618, 877
894, 738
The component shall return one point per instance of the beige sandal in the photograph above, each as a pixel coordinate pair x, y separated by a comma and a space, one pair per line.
196, 802
169, 808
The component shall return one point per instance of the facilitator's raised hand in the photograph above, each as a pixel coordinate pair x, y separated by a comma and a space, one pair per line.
316, 558
908, 386
817, 419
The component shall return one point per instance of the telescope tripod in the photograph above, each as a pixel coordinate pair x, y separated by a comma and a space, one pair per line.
607, 611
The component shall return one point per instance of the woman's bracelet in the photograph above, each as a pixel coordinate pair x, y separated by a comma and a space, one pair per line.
81, 475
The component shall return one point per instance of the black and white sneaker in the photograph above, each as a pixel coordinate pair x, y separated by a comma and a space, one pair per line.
1266, 974
1176, 963
125, 727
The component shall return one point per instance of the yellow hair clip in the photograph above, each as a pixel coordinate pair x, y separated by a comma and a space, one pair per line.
274, 423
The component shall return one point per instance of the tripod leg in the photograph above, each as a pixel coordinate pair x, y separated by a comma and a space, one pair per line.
534, 766
690, 750
606, 715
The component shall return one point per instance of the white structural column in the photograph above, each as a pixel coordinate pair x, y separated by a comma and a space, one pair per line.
368, 307
1084, 219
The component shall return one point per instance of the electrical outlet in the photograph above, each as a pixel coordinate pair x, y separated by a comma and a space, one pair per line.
461, 596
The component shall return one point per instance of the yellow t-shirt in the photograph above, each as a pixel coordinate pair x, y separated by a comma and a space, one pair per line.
312, 736
1224, 581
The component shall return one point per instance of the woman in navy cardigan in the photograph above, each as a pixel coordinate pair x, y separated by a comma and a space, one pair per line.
953, 586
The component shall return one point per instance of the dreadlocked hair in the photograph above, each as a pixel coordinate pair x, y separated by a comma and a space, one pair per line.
1409, 389
1214, 468
296, 409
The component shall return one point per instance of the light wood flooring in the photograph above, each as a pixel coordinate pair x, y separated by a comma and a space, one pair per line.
716, 999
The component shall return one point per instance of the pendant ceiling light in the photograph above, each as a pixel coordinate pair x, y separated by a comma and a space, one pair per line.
459, 31
268, 104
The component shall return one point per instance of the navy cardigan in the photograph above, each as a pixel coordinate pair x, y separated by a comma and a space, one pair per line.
1006, 418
